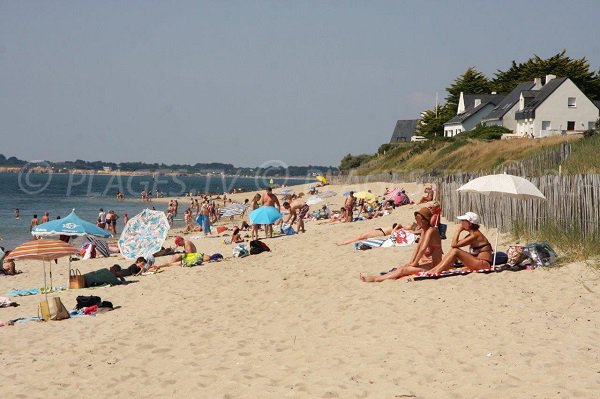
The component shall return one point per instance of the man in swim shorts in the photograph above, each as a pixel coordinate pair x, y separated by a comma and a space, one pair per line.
190, 257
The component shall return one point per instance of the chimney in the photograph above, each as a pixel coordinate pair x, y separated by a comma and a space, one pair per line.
549, 78
461, 104
537, 84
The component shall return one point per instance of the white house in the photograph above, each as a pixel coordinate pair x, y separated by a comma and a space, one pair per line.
472, 108
504, 113
558, 107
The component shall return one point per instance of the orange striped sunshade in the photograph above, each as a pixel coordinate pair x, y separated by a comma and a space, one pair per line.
45, 250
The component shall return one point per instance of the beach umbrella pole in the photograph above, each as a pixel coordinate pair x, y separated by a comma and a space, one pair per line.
45, 290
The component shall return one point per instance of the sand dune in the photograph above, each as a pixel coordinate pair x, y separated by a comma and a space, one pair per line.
297, 322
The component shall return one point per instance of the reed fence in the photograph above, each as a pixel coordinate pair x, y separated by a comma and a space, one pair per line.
570, 200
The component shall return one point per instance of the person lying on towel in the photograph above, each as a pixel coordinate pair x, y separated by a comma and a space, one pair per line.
427, 255
190, 257
480, 253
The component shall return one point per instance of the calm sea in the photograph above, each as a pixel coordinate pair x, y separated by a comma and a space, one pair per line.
58, 194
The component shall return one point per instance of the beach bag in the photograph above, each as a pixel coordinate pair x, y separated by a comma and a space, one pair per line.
287, 229
53, 309
442, 228
501, 258
240, 251
258, 247
87, 251
541, 253
76, 280
515, 255
87, 301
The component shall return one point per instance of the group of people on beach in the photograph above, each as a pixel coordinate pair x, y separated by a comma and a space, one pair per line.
428, 255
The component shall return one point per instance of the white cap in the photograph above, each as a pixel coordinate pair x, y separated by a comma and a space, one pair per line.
470, 217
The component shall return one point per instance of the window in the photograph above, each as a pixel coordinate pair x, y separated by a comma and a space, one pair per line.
570, 125
546, 125
572, 102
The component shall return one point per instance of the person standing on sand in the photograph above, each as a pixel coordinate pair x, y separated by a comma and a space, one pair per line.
125, 219
204, 218
349, 206
270, 199
46, 217
101, 219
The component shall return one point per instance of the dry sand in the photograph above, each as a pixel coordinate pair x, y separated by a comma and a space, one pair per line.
297, 322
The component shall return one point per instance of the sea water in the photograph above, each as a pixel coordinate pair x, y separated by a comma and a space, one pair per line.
59, 194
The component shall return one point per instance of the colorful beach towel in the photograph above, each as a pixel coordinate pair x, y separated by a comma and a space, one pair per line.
448, 273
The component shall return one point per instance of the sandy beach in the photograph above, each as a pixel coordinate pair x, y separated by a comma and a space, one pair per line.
297, 322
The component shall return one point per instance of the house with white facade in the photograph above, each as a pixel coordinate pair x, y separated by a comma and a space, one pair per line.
558, 107
504, 113
472, 108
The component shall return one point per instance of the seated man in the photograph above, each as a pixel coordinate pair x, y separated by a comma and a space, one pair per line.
190, 257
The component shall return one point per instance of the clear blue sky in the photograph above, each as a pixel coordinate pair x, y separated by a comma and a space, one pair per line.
304, 82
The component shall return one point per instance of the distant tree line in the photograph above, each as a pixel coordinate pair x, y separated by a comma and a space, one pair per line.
214, 167
12, 161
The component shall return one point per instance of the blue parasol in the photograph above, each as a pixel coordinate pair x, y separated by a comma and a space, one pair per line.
264, 215
71, 225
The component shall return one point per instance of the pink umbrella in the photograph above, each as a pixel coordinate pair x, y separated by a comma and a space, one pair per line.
393, 193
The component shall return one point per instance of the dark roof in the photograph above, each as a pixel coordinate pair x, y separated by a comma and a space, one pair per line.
509, 101
541, 95
404, 130
469, 99
597, 103
460, 118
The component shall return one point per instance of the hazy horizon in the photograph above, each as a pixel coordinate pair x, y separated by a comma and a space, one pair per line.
247, 82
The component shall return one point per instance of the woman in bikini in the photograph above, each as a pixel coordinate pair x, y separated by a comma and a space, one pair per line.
426, 256
480, 253
379, 232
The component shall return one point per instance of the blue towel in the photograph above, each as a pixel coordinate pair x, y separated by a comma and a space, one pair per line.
31, 291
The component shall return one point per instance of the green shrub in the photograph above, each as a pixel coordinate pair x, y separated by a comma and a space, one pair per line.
486, 132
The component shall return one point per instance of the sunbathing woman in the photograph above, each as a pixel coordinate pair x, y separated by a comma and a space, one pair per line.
379, 232
426, 256
480, 253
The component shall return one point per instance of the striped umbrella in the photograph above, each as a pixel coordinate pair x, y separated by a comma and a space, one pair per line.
233, 210
44, 250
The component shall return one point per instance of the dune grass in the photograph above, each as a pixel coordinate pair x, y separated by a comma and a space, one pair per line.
460, 155
584, 156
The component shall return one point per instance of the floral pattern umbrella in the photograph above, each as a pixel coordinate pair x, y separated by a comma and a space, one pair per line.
144, 234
